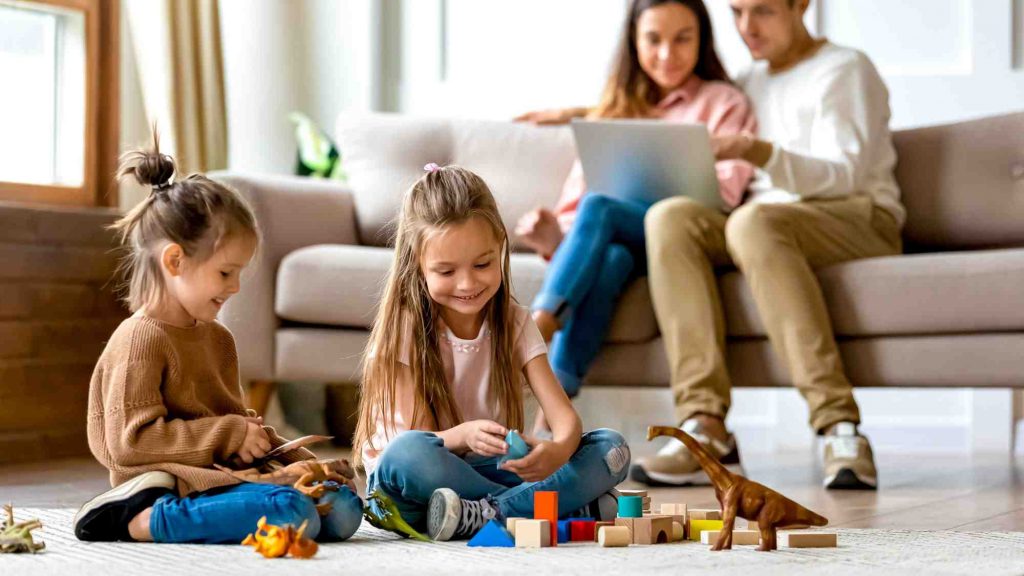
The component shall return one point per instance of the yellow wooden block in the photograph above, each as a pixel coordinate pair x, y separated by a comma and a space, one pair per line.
698, 526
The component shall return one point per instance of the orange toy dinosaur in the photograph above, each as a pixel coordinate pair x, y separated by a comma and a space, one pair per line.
275, 541
301, 476
744, 498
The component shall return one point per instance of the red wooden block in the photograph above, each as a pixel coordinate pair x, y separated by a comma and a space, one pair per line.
545, 507
582, 530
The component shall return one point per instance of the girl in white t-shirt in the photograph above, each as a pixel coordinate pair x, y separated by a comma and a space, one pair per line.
446, 367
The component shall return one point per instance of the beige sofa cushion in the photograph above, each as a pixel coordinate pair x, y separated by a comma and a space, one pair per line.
948, 293
525, 166
919, 294
340, 286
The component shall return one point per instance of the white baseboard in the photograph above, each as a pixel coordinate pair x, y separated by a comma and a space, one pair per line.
773, 421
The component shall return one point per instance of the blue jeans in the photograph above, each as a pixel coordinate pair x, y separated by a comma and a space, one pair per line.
416, 463
227, 515
590, 268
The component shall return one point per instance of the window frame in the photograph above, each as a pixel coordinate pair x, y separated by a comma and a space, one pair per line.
102, 113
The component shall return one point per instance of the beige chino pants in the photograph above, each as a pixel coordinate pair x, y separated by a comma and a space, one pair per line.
776, 247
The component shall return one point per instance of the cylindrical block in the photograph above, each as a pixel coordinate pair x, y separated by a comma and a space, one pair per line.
631, 507
677, 531
613, 536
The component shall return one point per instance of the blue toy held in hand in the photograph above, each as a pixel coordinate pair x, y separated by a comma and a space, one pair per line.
517, 447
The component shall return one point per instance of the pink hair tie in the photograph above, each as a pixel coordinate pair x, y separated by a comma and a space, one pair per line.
431, 167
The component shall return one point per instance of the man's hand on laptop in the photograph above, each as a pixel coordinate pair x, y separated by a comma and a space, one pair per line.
741, 147
538, 229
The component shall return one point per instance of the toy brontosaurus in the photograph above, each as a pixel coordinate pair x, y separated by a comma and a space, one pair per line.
744, 498
17, 537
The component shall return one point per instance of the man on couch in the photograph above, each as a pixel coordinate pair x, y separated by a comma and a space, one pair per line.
824, 193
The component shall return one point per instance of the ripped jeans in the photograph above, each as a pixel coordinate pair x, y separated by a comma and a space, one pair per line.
416, 463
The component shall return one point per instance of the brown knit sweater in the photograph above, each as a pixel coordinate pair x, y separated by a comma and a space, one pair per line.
168, 398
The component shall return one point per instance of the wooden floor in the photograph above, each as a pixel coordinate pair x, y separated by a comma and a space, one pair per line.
918, 493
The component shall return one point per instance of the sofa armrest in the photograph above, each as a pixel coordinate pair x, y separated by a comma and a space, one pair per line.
292, 212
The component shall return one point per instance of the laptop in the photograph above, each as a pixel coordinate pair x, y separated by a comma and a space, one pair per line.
647, 160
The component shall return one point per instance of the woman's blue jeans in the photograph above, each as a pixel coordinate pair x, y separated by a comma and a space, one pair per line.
227, 515
416, 463
587, 274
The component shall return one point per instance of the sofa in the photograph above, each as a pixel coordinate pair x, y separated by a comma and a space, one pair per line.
948, 313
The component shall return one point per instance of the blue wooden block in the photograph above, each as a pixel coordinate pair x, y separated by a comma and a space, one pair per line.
493, 534
517, 447
563, 530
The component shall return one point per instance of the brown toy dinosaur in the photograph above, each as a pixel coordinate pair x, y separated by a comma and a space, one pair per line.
301, 476
744, 498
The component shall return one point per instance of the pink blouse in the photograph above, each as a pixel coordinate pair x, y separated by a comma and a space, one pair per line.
723, 108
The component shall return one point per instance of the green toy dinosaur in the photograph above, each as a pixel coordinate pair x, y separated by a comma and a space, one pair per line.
17, 537
318, 156
391, 520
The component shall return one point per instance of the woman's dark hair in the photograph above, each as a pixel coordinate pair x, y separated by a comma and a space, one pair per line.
630, 92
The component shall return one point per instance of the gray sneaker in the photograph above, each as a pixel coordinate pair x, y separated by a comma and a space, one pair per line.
452, 518
849, 463
675, 465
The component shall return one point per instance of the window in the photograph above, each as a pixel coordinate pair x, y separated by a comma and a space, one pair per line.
59, 105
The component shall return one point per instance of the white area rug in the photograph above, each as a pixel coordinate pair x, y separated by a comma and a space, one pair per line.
372, 551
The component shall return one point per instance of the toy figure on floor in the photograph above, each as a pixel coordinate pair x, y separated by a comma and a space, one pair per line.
744, 498
16, 537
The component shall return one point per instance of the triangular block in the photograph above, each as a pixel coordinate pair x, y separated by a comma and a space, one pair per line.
493, 534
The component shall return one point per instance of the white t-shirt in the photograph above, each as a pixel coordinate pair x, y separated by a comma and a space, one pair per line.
828, 119
467, 367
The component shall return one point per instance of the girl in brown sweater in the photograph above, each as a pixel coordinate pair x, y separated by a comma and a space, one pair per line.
165, 402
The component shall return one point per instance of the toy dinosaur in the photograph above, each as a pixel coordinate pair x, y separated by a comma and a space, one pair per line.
744, 498
275, 541
301, 476
17, 537
390, 518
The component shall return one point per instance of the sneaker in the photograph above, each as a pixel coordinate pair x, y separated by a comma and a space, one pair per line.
604, 509
105, 518
452, 518
675, 465
849, 463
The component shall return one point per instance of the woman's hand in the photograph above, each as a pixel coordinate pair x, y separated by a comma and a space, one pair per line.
544, 458
484, 437
539, 230
550, 117
256, 443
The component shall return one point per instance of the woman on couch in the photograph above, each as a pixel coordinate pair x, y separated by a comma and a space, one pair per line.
667, 69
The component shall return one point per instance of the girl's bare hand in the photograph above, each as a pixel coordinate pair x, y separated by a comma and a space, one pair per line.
542, 461
256, 443
485, 437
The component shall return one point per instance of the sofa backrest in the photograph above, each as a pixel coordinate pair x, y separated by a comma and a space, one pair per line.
384, 154
962, 183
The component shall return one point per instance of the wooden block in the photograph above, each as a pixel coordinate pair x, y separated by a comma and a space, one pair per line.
545, 507
704, 514
599, 525
739, 537
533, 533
510, 525
582, 530
652, 530
613, 536
678, 532
698, 526
627, 523
809, 540
752, 525
674, 509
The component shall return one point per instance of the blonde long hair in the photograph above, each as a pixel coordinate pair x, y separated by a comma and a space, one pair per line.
408, 317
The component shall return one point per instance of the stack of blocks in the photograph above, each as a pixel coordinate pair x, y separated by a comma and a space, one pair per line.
632, 526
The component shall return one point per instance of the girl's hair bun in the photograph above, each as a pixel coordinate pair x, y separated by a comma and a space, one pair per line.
154, 169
